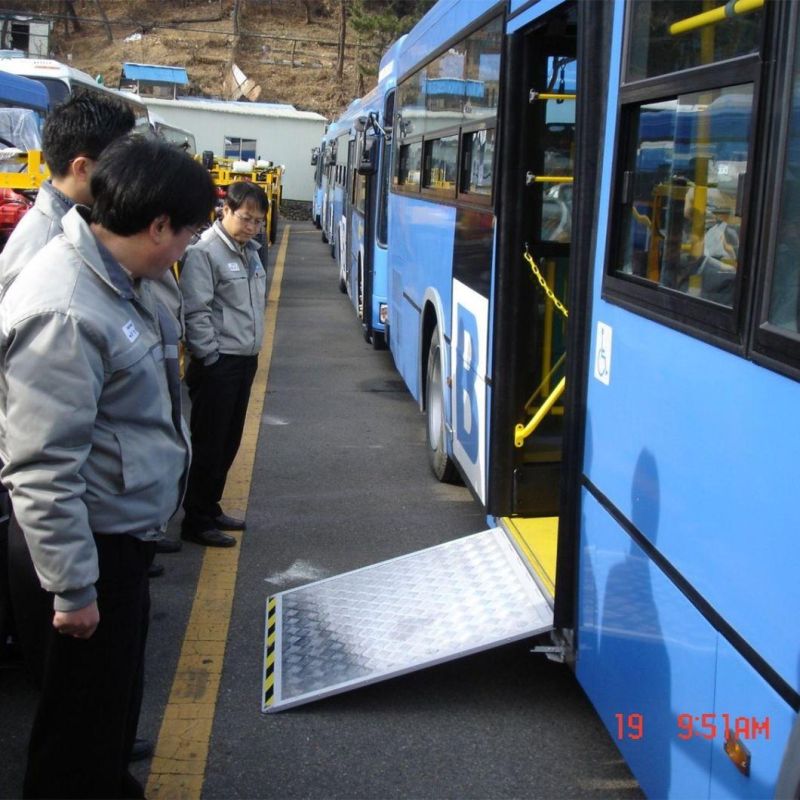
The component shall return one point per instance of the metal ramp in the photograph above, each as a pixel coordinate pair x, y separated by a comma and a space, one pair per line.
398, 616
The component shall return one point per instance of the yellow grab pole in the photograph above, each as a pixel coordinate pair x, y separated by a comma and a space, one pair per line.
522, 432
714, 16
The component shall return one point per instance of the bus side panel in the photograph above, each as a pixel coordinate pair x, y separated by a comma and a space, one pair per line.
715, 431
644, 656
356, 248
380, 284
421, 261
748, 707
468, 370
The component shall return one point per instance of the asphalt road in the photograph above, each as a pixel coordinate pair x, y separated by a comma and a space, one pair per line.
341, 481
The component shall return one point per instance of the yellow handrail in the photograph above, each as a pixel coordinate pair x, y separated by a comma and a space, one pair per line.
551, 96
549, 179
546, 381
734, 9
522, 432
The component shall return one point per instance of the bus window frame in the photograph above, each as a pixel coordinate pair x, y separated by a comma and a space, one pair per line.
704, 319
466, 198
433, 192
772, 346
459, 198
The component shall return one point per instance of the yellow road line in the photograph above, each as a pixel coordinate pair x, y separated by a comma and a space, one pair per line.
179, 763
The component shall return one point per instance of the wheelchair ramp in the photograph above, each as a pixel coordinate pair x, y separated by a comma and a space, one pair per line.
398, 616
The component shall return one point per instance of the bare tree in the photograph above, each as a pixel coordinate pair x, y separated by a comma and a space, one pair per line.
342, 38
70, 16
103, 16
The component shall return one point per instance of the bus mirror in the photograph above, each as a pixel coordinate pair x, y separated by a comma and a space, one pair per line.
360, 124
314, 156
368, 163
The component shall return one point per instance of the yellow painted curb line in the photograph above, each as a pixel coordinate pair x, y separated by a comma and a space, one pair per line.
179, 763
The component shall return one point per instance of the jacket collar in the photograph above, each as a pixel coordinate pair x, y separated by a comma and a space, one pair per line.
52, 202
220, 231
94, 254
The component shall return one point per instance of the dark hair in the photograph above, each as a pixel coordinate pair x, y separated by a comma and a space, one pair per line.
137, 179
240, 192
83, 125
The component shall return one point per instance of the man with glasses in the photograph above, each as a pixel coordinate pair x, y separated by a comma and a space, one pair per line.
224, 290
95, 452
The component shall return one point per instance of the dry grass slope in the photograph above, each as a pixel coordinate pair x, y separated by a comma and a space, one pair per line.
293, 62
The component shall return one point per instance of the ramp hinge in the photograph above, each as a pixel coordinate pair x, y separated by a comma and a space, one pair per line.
553, 652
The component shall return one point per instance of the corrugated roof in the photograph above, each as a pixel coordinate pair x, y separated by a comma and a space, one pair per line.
155, 73
274, 110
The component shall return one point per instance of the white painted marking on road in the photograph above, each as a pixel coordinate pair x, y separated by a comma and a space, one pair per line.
299, 571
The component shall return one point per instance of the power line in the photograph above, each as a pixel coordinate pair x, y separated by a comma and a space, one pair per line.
148, 26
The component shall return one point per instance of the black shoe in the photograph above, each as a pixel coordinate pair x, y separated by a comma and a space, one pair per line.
142, 749
226, 523
155, 570
168, 545
209, 538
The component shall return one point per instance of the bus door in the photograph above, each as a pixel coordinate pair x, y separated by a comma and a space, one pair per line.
529, 355
365, 202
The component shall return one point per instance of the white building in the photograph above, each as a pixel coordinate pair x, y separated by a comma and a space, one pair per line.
277, 133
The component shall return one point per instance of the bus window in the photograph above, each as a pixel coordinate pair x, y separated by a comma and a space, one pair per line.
409, 165
477, 159
667, 40
784, 294
679, 230
689, 161
440, 159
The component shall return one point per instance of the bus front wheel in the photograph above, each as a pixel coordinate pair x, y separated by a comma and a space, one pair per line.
442, 465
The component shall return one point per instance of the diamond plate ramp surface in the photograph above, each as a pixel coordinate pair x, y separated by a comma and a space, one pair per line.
398, 616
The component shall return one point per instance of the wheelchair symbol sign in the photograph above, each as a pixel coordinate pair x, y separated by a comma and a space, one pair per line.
602, 353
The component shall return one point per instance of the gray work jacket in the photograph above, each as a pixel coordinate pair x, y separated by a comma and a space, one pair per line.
92, 437
40, 224
224, 290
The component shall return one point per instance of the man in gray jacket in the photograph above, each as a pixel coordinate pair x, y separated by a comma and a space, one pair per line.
224, 290
95, 449
74, 135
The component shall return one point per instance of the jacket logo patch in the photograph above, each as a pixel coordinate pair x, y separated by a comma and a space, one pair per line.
234, 266
129, 329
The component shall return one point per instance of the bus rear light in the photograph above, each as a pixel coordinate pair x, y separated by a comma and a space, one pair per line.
383, 313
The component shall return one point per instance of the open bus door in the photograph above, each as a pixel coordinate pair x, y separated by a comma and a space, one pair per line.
497, 586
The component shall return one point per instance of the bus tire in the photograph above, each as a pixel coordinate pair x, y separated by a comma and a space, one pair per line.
441, 464
378, 340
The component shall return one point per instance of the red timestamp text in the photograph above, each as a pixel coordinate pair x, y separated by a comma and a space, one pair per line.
698, 726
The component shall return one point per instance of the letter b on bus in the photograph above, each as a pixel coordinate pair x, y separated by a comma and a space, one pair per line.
466, 399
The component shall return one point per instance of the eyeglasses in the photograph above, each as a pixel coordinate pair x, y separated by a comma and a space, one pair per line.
245, 220
195, 231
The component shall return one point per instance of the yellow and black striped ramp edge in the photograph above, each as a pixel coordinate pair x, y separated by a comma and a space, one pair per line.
269, 653
398, 616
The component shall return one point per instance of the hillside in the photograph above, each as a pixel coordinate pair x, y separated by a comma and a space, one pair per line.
287, 47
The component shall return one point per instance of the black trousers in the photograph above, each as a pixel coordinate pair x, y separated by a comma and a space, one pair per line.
91, 689
219, 394
7, 626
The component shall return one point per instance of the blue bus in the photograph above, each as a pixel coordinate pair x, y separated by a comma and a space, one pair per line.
362, 230
594, 295
335, 143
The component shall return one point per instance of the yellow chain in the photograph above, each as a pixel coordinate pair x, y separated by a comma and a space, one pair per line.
547, 290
